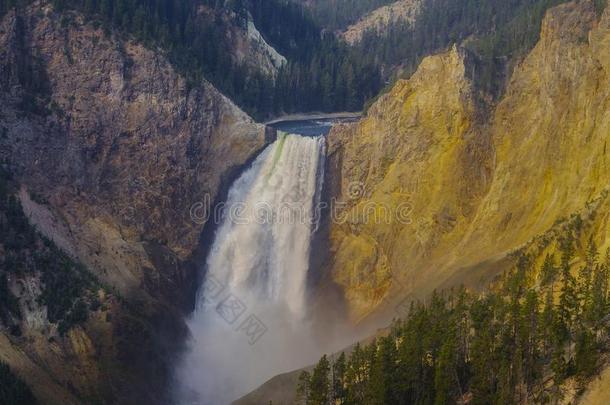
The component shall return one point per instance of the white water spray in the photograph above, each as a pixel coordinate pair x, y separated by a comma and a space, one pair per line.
250, 322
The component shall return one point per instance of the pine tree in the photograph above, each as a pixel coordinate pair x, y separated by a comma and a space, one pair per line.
356, 376
585, 360
499, 347
303, 388
549, 271
319, 384
548, 322
586, 276
445, 373
483, 357
529, 339
338, 382
599, 307
568, 299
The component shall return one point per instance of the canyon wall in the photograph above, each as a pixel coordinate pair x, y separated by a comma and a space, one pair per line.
401, 11
118, 158
471, 182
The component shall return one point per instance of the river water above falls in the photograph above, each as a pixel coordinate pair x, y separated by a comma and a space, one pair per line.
313, 126
251, 317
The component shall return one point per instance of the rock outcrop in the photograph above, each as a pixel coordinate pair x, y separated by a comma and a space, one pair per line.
123, 160
471, 185
247, 46
411, 172
401, 11
126, 149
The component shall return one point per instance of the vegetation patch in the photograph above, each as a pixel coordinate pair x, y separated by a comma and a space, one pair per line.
534, 330
68, 289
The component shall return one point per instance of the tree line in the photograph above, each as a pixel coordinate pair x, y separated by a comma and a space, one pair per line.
500, 32
339, 14
322, 73
537, 327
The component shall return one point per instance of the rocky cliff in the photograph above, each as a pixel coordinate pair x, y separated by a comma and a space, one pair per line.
247, 46
436, 187
412, 171
118, 159
402, 11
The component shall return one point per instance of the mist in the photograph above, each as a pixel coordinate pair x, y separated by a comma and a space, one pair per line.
252, 320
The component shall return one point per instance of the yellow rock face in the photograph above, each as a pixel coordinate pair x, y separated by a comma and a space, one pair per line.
377, 20
475, 185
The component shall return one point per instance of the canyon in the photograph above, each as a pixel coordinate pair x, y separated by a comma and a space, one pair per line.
481, 180
404, 11
118, 157
116, 165
478, 181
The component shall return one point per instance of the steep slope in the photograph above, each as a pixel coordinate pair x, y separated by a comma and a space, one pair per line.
281, 389
403, 11
126, 148
598, 391
51, 311
247, 47
410, 172
337, 15
550, 133
478, 185
118, 159
436, 187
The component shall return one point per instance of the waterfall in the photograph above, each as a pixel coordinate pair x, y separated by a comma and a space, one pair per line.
250, 322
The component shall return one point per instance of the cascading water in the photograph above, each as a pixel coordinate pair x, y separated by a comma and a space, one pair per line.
250, 322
